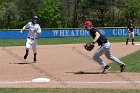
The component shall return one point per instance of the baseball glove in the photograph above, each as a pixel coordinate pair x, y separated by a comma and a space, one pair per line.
89, 46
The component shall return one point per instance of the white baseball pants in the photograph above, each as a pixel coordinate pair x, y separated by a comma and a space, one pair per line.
33, 43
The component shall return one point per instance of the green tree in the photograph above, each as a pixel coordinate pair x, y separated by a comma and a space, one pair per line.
98, 8
8, 15
3, 1
50, 14
115, 16
102, 12
132, 10
27, 9
15, 13
71, 13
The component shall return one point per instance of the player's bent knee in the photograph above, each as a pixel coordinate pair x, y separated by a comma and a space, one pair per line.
95, 57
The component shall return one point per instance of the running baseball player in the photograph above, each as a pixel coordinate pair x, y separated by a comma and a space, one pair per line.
34, 32
131, 31
104, 49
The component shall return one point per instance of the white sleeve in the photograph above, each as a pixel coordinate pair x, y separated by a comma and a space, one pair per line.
39, 29
27, 25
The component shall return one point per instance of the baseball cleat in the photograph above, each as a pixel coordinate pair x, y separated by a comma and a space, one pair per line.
35, 60
25, 56
126, 43
106, 68
122, 68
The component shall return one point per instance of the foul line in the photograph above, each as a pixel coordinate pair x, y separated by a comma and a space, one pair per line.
70, 82
104, 82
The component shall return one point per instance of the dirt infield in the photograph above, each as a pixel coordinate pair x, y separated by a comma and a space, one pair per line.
59, 63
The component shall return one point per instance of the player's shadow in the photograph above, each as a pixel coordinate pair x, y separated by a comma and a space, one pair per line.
82, 72
22, 63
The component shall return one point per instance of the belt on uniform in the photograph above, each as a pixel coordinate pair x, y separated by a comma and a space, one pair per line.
32, 38
104, 43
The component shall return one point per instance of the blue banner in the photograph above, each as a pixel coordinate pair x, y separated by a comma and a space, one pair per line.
67, 33
58, 33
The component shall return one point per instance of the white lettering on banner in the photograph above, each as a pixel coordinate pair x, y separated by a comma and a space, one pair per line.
82, 33
62, 32
55, 32
119, 32
67, 33
77, 31
137, 31
72, 33
87, 33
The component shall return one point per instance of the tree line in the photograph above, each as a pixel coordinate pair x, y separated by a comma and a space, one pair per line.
69, 13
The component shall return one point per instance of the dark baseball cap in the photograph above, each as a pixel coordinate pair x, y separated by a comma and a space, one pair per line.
35, 17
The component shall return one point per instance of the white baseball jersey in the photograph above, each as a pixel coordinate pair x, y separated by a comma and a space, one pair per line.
33, 29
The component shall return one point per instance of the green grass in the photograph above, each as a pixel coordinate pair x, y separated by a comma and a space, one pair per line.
70, 90
12, 42
121, 39
45, 41
132, 61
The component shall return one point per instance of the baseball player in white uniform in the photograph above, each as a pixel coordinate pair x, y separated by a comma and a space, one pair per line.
34, 32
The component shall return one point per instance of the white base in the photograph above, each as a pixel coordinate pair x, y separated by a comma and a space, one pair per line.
41, 80
137, 44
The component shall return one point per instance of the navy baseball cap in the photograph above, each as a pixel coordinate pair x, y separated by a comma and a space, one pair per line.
35, 17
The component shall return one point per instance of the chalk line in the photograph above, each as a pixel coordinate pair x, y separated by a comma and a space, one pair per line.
72, 82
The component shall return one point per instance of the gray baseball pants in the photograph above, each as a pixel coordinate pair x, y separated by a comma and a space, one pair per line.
131, 35
105, 49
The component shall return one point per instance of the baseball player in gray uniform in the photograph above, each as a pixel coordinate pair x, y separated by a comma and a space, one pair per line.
34, 32
131, 30
104, 49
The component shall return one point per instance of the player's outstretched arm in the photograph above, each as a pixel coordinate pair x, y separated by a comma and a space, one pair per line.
39, 31
22, 29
